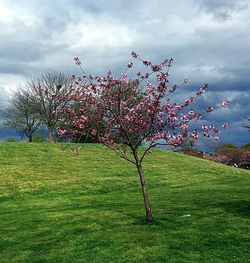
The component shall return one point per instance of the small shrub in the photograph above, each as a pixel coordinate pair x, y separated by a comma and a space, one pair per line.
245, 165
11, 139
38, 137
245, 156
232, 152
246, 147
222, 159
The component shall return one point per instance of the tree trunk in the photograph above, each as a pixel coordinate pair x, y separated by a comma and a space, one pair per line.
51, 135
30, 138
149, 215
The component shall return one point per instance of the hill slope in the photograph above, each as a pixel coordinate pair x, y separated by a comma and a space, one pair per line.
55, 207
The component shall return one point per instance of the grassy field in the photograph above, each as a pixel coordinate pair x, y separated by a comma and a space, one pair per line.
55, 207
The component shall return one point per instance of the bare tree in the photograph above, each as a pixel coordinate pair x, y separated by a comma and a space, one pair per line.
21, 114
50, 93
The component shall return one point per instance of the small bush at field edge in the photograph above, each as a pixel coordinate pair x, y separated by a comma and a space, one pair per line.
38, 137
11, 139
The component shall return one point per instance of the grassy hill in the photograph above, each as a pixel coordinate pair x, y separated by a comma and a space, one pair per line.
55, 207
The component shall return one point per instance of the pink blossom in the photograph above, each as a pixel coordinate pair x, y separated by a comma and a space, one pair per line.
188, 101
206, 134
225, 103
61, 132
146, 63
209, 109
184, 126
155, 68
191, 113
177, 106
197, 117
130, 65
185, 118
200, 91
225, 125
77, 61
124, 77
195, 135
94, 132
204, 127
134, 54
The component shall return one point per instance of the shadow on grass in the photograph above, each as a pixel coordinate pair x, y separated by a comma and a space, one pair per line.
238, 208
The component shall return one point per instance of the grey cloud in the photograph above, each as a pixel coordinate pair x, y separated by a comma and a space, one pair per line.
208, 40
222, 9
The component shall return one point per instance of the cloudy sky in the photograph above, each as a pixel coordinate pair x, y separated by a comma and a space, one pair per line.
209, 41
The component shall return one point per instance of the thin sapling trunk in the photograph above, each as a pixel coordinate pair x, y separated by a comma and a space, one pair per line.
148, 208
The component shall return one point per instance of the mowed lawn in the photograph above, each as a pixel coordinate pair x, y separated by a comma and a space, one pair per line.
55, 207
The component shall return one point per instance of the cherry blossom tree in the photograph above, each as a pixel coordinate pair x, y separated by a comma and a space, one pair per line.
125, 113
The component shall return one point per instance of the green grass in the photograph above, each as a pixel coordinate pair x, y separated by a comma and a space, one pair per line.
55, 207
